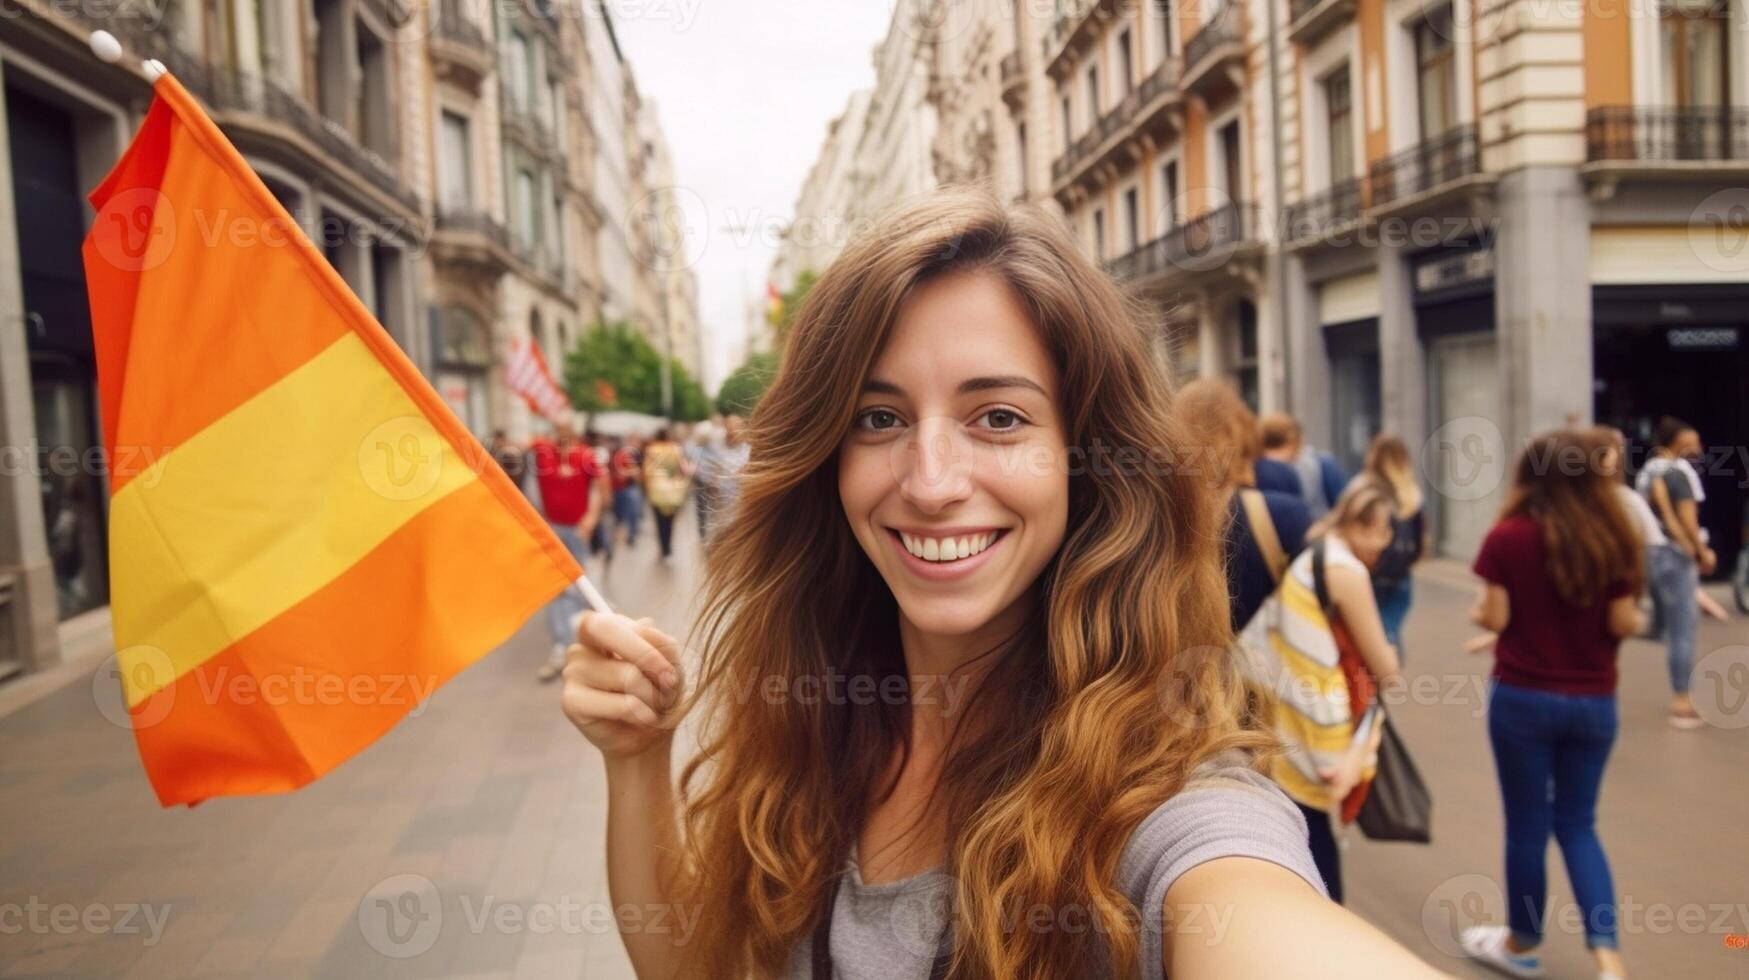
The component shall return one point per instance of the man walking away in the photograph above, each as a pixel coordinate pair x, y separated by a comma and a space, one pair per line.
573, 492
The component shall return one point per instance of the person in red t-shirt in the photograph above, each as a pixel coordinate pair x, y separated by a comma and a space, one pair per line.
573, 493
1561, 575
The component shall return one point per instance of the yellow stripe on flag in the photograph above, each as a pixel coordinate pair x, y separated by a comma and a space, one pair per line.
251, 515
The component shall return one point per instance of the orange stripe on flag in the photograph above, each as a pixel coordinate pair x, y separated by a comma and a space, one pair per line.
214, 318
330, 675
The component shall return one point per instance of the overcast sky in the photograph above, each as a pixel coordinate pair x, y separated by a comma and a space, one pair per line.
745, 89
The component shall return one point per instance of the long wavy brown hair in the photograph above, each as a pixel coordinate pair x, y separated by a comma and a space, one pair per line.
1093, 715
1562, 481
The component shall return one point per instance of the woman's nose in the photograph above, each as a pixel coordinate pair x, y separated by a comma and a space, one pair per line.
933, 464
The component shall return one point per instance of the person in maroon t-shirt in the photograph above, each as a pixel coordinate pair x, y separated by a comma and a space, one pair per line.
1561, 575
573, 493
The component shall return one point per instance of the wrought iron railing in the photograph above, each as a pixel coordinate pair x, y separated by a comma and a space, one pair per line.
1196, 245
1667, 133
1160, 81
1317, 215
223, 88
1425, 166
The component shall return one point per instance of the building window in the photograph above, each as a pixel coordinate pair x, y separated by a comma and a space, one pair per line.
1092, 94
1167, 29
1020, 154
1339, 114
1068, 130
519, 70
526, 207
455, 163
1169, 193
1245, 364
1132, 219
1696, 53
1126, 63
1230, 171
1099, 234
1436, 76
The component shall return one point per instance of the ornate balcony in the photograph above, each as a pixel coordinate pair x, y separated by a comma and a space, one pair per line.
459, 51
1427, 171
1309, 20
1214, 57
1326, 214
1074, 30
1668, 134
526, 128
472, 239
1151, 111
1204, 245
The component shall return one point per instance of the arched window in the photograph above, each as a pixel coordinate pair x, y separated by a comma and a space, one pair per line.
462, 365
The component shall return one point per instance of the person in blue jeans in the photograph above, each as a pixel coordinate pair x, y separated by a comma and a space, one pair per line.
1561, 575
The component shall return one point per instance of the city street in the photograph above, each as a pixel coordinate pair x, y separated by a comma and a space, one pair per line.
469, 841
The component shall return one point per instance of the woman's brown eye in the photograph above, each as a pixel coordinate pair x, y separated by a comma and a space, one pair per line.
1001, 418
879, 419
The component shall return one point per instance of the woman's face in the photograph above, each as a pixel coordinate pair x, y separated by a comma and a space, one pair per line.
1369, 539
952, 476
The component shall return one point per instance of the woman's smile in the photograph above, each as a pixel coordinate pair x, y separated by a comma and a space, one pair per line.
945, 553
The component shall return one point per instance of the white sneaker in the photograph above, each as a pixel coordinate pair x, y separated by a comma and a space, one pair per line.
1487, 945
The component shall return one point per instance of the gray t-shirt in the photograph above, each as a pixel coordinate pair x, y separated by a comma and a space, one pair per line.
893, 930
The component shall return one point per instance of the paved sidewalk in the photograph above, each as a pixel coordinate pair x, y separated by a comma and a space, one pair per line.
469, 841
488, 794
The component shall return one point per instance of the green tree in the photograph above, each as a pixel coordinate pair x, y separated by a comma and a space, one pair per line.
614, 357
611, 367
745, 385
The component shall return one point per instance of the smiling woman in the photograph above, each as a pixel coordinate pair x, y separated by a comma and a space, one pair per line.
1054, 779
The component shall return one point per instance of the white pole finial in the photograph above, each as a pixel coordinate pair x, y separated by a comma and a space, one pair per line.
105, 47
154, 69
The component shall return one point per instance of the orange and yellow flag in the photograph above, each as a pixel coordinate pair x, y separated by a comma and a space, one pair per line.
304, 541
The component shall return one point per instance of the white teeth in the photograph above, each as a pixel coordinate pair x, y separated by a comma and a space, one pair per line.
947, 549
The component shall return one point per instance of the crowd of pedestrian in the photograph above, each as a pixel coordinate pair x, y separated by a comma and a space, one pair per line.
594, 490
1562, 573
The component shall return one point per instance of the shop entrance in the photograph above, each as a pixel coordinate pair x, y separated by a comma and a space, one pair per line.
1696, 370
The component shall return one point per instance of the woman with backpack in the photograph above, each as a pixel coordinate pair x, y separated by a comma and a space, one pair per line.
665, 475
1561, 574
1388, 463
1325, 613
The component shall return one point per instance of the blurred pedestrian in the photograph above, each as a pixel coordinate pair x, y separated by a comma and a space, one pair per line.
628, 489
1325, 603
665, 479
601, 540
701, 452
574, 494
1273, 472
1261, 529
1321, 477
513, 459
1388, 463
1561, 573
1672, 490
